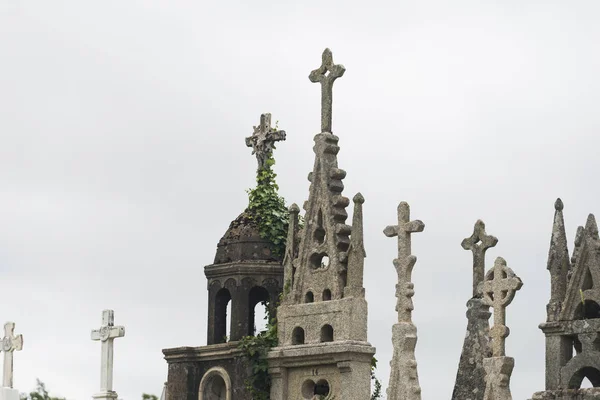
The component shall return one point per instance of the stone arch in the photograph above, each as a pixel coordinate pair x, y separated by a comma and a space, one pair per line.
256, 295
589, 309
298, 336
215, 385
309, 297
584, 365
230, 284
326, 295
326, 333
222, 299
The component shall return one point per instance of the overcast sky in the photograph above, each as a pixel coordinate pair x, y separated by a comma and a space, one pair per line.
122, 162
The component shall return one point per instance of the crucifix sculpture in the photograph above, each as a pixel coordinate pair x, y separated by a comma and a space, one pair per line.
326, 74
478, 243
406, 261
263, 140
106, 334
10, 344
498, 289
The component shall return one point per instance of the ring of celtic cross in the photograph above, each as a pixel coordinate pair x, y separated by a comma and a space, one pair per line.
104, 333
6, 345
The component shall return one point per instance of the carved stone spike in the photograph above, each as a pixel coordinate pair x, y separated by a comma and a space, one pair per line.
478, 243
326, 74
263, 140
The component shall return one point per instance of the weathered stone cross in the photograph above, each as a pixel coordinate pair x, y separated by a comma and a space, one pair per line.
478, 243
498, 289
326, 74
406, 261
10, 344
106, 334
263, 140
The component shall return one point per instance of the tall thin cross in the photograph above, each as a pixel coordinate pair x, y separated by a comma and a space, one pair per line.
10, 344
406, 261
106, 334
478, 243
326, 74
498, 289
263, 140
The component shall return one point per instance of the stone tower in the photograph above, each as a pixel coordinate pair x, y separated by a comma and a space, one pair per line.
572, 327
322, 323
246, 270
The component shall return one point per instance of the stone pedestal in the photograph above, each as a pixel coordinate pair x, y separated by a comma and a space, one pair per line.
9, 394
498, 371
112, 395
470, 378
404, 379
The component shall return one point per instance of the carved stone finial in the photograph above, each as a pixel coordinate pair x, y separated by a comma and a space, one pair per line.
356, 252
263, 140
498, 289
406, 261
558, 264
10, 344
558, 205
478, 243
326, 74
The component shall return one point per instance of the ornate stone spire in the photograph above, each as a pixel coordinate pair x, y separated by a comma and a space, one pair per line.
326, 74
558, 263
263, 140
291, 250
356, 252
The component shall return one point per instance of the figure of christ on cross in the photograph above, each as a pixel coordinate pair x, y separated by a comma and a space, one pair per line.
498, 289
263, 140
10, 344
406, 261
326, 74
106, 334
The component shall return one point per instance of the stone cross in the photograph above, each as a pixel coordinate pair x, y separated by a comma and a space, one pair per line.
498, 290
263, 140
106, 334
478, 243
326, 74
406, 261
10, 344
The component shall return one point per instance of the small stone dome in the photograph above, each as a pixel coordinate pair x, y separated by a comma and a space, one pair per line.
242, 242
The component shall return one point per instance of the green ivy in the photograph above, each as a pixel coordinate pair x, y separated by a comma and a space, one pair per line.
268, 208
376, 383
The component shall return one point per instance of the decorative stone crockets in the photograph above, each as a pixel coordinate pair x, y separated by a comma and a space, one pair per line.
572, 328
322, 322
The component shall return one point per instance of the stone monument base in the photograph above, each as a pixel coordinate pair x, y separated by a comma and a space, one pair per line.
568, 394
111, 395
9, 394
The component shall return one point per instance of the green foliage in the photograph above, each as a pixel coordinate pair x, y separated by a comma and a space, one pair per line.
40, 393
146, 396
376, 383
268, 208
255, 349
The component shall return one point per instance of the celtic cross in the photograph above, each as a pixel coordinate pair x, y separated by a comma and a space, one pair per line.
498, 290
263, 140
10, 344
106, 334
406, 261
478, 243
326, 74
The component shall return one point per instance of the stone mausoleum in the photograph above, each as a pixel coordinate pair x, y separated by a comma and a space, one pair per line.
315, 289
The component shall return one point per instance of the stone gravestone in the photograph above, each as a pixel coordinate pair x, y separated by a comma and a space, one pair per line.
404, 379
107, 333
10, 344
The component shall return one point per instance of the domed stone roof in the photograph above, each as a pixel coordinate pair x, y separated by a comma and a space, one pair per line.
242, 242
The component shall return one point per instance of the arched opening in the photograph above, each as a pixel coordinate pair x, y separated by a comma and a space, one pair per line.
258, 302
322, 388
308, 389
222, 311
298, 336
215, 385
326, 333
326, 295
319, 260
319, 233
589, 309
592, 375
309, 297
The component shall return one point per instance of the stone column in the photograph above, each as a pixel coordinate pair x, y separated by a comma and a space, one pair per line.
498, 371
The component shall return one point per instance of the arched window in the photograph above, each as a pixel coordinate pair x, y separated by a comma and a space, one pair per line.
589, 309
326, 333
309, 297
258, 302
592, 375
222, 306
326, 295
298, 336
215, 385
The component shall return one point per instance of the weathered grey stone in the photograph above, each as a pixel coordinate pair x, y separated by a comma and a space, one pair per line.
326, 74
322, 324
404, 378
568, 394
558, 264
10, 344
470, 377
498, 371
263, 140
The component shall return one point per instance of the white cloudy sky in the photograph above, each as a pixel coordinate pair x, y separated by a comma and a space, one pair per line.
122, 161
